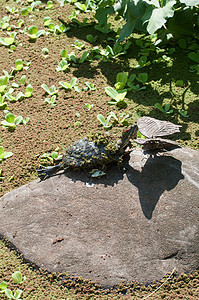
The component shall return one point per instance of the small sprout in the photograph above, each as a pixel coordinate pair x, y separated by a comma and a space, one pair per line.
8, 40
25, 11
34, 33
184, 113
45, 52
103, 121
4, 154
118, 97
63, 66
91, 38
77, 115
89, 106
3, 82
84, 56
69, 86
78, 123
23, 79
81, 6
11, 121
12, 10
165, 109
46, 21
17, 277
121, 80
47, 157
122, 119
3, 285
3, 104
51, 91
142, 77
90, 86
29, 90
49, 5
51, 101
78, 45
19, 65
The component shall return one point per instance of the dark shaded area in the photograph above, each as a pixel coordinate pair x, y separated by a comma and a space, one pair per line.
159, 174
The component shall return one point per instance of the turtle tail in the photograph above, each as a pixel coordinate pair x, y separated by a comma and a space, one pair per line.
49, 171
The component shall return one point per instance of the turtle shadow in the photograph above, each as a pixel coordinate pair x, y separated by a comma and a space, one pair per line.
113, 174
159, 174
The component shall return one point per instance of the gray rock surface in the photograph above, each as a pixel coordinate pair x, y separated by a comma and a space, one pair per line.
133, 226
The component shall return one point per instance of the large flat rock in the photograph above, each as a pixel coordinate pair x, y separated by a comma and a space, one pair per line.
133, 226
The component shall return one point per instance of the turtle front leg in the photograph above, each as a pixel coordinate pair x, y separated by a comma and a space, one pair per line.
49, 171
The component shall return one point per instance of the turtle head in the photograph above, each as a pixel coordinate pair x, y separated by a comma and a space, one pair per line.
128, 133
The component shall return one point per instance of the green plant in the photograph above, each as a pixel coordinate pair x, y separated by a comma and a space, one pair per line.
51, 100
63, 66
45, 52
3, 104
168, 18
4, 23
29, 90
12, 10
103, 121
48, 157
118, 97
51, 91
122, 119
121, 80
166, 109
91, 38
11, 121
70, 85
33, 32
23, 79
19, 65
3, 82
90, 86
49, 5
184, 113
79, 45
8, 40
17, 278
89, 106
4, 154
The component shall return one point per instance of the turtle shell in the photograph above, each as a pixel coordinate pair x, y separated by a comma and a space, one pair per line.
87, 153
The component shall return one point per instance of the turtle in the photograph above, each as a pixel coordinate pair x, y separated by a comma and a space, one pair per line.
91, 152
153, 129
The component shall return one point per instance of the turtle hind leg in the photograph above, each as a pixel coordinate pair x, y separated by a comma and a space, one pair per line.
49, 171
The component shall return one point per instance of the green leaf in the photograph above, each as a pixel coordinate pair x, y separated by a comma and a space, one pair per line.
190, 2
102, 120
159, 15
65, 85
46, 89
19, 64
3, 285
194, 56
121, 80
10, 118
29, 90
142, 77
17, 277
17, 294
19, 120
23, 79
54, 154
64, 53
84, 56
33, 30
111, 92
9, 294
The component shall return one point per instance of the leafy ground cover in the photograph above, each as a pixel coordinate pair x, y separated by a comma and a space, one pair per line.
61, 77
